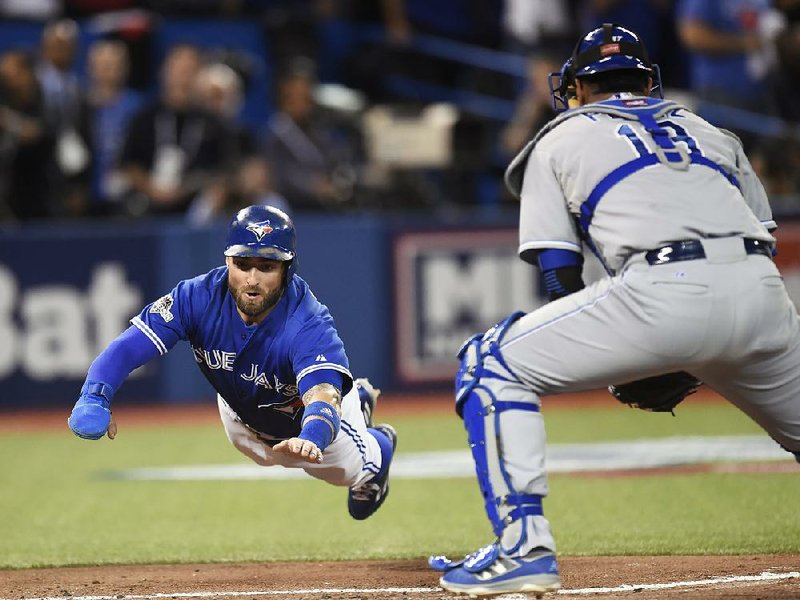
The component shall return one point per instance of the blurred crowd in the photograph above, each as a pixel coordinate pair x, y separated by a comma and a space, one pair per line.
114, 132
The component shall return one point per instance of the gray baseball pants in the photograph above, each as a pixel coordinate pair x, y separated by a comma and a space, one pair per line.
727, 319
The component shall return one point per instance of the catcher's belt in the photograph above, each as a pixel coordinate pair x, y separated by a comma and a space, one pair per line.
693, 250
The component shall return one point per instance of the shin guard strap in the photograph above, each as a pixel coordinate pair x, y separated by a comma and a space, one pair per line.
500, 406
524, 505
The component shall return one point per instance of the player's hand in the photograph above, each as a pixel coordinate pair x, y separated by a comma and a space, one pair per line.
302, 449
91, 418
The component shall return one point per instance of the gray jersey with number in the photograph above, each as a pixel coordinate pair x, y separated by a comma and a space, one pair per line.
628, 176
601, 175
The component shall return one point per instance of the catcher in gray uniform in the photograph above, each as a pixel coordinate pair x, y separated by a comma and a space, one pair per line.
674, 211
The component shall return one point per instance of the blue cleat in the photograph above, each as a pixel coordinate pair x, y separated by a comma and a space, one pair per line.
488, 571
363, 500
368, 395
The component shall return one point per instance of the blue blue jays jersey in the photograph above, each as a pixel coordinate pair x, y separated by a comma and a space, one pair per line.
260, 370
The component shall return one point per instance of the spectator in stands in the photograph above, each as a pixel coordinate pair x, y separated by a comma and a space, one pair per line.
173, 149
295, 27
41, 10
252, 185
787, 82
220, 92
534, 106
727, 65
67, 116
531, 26
26, 148
315, 160
112, 105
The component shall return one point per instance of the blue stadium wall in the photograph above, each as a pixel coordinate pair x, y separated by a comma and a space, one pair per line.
404, 292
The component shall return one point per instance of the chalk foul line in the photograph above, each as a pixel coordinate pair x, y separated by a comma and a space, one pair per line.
766, 576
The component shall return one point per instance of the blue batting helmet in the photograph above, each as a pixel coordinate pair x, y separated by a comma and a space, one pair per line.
261, 231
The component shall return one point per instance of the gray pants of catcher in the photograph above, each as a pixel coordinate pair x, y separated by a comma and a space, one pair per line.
727, 319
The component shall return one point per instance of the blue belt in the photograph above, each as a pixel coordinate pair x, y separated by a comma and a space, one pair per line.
693, 249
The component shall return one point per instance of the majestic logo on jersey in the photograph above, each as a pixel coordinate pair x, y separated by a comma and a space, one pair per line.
260, 229
162, 307
320, 358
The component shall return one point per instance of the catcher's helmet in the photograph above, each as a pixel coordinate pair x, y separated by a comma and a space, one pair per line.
611, 47
262, 231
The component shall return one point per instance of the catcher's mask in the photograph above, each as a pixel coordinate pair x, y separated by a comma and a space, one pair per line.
264, 232
607, 48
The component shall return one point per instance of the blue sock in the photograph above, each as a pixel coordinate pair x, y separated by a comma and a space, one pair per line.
797, 456
386, 450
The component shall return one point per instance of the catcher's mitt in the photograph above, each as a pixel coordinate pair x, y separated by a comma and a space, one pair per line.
661, 393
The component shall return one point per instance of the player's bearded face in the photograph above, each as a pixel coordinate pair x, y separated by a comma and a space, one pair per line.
255, 284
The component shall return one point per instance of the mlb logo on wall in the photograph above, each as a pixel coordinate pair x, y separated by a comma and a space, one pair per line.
448, 286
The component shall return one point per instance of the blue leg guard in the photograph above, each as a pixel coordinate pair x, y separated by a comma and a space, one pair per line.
502, 421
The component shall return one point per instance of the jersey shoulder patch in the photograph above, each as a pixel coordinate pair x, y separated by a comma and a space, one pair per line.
163, 308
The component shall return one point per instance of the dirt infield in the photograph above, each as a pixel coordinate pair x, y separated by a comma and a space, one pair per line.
205, 411
595, 577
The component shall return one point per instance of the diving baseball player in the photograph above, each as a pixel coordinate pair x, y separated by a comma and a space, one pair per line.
272, 353
673, 209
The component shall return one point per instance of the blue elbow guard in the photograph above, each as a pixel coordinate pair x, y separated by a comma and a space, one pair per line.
323, 428
91, 415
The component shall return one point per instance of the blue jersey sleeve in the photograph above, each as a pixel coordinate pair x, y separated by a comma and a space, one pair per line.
318, 356
127, 352
167, 320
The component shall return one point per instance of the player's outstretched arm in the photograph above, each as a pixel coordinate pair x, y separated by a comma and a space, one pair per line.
321, 422
91, 417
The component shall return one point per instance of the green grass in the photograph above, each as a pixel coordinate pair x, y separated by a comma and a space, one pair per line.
58, 509
611, 421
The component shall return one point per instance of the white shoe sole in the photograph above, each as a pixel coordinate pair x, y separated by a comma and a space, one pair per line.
503, 587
